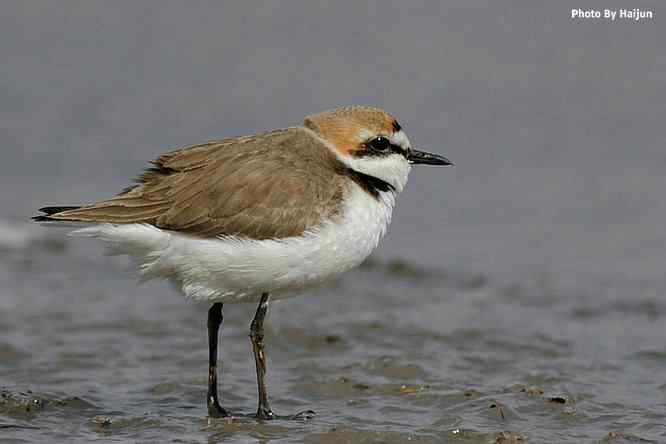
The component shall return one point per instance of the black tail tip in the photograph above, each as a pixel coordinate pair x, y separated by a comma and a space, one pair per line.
49, 211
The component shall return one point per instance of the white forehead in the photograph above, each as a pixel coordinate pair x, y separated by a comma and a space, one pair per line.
400, 138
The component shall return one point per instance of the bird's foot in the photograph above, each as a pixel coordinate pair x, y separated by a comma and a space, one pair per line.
265, 414
305, 415
215, 410
262, 415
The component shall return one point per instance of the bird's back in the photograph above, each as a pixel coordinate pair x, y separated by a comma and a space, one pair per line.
267, 186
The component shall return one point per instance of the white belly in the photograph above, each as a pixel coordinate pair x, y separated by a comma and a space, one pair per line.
232, 269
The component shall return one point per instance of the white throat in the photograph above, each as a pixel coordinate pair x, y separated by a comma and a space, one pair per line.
392, 169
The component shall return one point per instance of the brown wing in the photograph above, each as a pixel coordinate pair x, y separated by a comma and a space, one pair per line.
272, 185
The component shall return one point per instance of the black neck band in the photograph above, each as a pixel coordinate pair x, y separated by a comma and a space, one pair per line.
370, 184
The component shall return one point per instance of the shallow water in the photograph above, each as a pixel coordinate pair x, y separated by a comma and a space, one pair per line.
392, 352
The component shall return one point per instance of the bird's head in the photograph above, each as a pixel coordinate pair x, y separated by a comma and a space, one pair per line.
372, 142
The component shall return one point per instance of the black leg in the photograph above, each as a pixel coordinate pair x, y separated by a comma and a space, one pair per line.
214, 322
257, 337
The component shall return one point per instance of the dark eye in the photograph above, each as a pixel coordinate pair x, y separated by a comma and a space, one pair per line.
380, 144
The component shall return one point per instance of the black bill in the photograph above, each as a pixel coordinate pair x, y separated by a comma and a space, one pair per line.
421, 157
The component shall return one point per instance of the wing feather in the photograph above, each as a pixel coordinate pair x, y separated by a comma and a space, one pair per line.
272, 185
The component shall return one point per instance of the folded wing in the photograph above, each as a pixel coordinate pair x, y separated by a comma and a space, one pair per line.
268, 186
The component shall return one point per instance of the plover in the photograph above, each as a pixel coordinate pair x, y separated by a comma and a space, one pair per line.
260, 217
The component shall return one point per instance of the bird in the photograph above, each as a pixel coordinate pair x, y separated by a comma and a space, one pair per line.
259, 217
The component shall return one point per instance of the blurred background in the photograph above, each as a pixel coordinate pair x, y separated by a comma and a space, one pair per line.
528, 277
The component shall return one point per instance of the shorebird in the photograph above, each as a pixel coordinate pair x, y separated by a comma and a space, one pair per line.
264, 216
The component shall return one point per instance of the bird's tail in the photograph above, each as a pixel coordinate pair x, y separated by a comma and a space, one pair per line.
51, 213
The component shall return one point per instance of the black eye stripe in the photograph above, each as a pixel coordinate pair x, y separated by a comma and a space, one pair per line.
379, 146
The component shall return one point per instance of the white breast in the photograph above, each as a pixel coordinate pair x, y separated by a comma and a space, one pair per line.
232, 269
